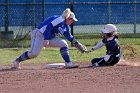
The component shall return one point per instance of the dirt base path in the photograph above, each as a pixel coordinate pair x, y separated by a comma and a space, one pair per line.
33, 78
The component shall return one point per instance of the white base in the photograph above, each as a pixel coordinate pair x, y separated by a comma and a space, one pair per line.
56, 65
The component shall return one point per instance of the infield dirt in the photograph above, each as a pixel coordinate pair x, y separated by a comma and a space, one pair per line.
34, 78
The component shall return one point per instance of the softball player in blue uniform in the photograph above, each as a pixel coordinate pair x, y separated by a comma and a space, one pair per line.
110, 41
47, 34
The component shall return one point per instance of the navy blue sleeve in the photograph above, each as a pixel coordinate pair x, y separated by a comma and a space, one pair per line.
48, 31
103, 40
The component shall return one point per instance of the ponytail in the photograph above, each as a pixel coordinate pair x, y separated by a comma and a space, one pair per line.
66, 13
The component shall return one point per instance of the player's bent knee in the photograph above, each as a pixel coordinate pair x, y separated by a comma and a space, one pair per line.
64, 44
33, 55
93, 61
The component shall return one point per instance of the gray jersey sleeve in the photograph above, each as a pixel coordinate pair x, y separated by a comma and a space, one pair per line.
98, 45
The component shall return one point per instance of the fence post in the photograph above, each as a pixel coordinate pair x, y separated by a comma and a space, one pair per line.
71, 7
42, 10
109, 11
135, 17
33, 15
6, 16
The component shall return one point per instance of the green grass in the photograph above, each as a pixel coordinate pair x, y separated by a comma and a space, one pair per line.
49, 55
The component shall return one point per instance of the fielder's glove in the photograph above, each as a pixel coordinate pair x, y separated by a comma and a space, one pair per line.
80, 47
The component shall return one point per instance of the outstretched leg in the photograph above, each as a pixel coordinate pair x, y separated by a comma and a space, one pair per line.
36, 47
97, 62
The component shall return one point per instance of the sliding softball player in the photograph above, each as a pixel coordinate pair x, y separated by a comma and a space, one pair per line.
47, 34
113, 52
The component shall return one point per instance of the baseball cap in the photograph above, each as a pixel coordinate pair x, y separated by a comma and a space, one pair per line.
73, 16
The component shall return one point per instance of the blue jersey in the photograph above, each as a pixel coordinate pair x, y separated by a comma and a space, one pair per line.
54, 25
112, 46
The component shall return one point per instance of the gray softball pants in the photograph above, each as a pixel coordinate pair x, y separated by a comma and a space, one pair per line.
37, 43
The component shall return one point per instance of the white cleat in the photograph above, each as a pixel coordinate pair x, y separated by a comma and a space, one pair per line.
16, 65
71, 65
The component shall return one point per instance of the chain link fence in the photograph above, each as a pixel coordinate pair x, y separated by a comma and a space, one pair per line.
19, 19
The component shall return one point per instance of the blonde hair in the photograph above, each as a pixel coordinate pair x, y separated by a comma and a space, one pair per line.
67, 13
116, 33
